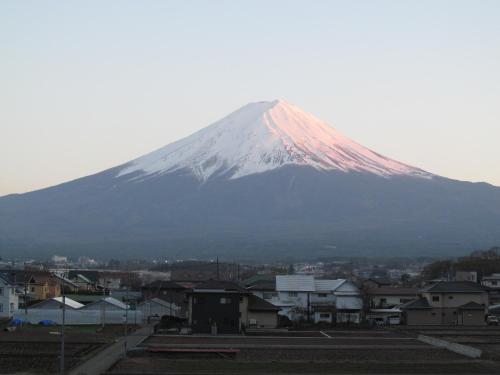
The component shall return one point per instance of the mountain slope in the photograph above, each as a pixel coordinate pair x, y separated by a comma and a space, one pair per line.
263, 136
328, 202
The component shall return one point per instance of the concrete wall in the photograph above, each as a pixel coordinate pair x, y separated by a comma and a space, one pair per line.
445, 317
422, 317
468, 351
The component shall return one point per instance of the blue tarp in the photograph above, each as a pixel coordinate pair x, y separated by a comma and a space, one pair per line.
47, 322
18, 322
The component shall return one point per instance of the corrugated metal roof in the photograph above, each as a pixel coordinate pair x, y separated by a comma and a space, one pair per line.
69, 302
115, 302
295, 283
327, 285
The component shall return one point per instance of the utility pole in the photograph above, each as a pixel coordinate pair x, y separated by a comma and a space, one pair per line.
25, 298
103, 303
62, 328
126, 318
218, 275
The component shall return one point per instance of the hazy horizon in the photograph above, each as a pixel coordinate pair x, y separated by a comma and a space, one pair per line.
88, 86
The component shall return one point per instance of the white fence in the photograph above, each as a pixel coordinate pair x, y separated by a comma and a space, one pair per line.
80, 317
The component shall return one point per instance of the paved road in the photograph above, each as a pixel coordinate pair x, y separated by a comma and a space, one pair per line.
106, 358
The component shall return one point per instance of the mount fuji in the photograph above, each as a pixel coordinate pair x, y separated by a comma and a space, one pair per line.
267, 181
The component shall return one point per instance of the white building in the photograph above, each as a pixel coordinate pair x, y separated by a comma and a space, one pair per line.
294, 295
491, 281
9, 300
304, 297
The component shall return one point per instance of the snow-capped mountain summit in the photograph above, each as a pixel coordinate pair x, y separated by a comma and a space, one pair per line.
263, 136
267, 181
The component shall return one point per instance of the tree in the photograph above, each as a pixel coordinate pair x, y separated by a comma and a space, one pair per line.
441, 268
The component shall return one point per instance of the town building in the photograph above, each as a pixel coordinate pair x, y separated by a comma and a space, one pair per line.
303, 297
9, 300
34, 285
215, 307
261, 313
491, 281
169, 291
225, 307
448, 303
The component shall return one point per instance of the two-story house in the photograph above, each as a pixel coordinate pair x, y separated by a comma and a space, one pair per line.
294, 296
35, 285
448, 303
9, 300
225, 307
492, 284
302, 297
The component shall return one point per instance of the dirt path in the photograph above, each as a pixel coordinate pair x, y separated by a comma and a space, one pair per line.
107, 357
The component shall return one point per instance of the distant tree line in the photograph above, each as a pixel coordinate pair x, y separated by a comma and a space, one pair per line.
484, 262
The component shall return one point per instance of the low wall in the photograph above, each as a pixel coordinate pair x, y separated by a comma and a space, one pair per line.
77, 317
466, 350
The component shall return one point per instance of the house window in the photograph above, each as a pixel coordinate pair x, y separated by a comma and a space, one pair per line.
1, 291
383, 300
324, 315
433, 314
435, 298
450, 297
225, 300
32, 289
322, 295
293, 294
11, 307
1, 307
494, 283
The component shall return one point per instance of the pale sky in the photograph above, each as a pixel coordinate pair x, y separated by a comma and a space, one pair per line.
88, 85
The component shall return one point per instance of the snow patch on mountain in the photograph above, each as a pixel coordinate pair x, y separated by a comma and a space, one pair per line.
263, 136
